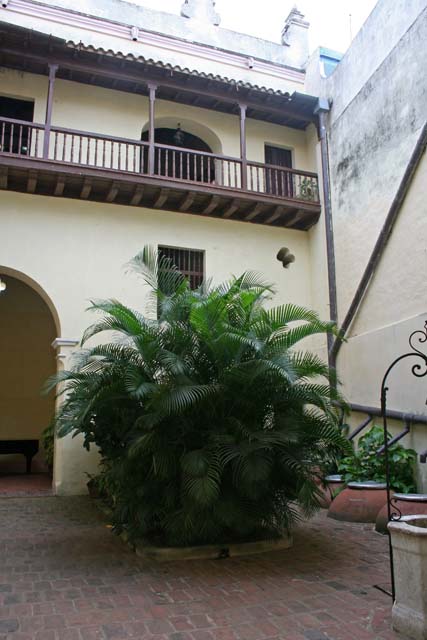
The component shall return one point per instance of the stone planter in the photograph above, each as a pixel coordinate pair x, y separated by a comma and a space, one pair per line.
331, 486
409, 541
408, 504
359, 502
211, 552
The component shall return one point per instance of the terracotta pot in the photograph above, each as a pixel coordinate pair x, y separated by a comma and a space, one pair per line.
92, 489
409, 542
359, 502
408, 504
331, 486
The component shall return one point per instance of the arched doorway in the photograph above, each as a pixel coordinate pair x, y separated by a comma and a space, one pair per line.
27, 330
178, 163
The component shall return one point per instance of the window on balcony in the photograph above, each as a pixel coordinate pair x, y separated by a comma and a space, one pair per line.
15, 138
190, 262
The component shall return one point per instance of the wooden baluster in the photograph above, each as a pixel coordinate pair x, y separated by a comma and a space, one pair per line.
222, 170
195, 167
120, 157
104, 142
11, 139
64, 145
276, 183
72, 148
167, 163
3, 127
173, 164
188, 165
36, 150
229, 173
55, 146
88, 150
29, 140
127, 157
134, 158
202, 168
20, 139
257, 180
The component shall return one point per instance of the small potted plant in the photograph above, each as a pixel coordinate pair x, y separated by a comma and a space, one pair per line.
365, 477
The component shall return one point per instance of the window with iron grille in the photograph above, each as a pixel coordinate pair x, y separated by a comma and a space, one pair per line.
190, 262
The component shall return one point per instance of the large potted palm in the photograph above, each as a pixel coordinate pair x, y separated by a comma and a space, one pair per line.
207, 416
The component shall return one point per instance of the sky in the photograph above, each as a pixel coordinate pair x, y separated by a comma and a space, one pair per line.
332, 22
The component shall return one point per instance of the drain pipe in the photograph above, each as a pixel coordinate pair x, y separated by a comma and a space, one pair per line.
383, 237
321, 110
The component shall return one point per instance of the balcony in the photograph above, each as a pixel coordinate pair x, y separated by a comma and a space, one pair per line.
57, 161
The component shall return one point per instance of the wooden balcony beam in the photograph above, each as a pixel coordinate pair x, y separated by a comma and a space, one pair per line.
3, 177
275, 215
59, 187
161, 198
32, 181
112, 192
187, 201
232, 208
211, 206
86, 189
137, 196
254, 212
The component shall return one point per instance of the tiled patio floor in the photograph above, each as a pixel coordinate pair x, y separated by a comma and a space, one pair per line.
64, 576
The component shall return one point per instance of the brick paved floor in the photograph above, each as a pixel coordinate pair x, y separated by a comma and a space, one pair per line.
22, 484
64, 576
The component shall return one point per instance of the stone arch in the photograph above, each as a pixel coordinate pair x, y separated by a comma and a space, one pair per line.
29, 323
19, 275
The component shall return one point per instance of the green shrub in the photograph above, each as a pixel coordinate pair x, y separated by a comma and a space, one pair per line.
47, 438
365, 463
208, 418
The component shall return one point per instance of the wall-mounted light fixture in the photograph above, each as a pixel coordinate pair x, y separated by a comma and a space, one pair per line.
2, 286
178, 136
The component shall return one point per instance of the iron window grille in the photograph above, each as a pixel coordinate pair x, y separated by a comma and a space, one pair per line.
190, 262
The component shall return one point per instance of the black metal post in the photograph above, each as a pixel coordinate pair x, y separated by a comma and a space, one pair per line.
419, 371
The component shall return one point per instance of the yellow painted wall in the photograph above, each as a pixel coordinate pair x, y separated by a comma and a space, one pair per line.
26, 361
77, 250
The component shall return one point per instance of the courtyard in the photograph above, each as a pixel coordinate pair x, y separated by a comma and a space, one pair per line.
64, 576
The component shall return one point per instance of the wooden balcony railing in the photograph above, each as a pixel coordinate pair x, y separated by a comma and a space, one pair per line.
123, 155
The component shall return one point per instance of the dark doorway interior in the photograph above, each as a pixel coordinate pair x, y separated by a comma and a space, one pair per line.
180, 163
278, 182
15, 138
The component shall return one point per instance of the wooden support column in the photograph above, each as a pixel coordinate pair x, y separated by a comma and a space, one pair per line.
53, 68
151, 151
244, 162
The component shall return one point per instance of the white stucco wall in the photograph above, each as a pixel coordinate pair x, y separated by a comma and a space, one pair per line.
377, 93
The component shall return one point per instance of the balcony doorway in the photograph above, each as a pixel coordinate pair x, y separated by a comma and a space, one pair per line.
174, 159
277, 181
15, 139
27, 330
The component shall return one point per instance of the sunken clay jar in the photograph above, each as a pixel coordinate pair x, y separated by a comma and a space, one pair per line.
359, 502
408, 504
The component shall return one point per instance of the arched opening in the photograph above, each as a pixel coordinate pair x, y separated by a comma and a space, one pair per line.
27, 330
179, 162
